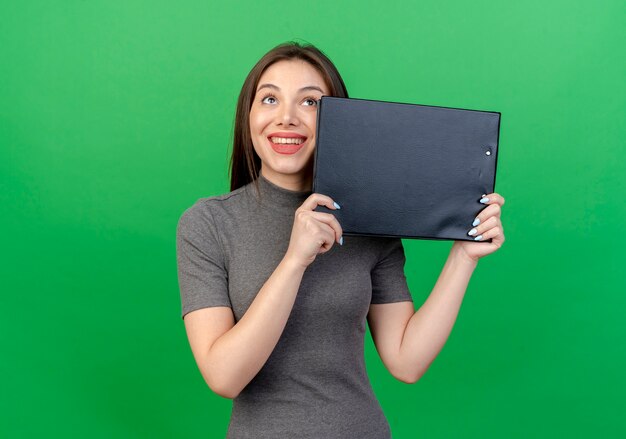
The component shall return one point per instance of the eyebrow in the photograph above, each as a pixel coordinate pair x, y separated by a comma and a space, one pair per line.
307, 88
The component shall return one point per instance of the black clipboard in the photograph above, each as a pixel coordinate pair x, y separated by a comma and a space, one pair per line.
404, 170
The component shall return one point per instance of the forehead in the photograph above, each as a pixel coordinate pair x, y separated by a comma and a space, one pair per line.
293, 74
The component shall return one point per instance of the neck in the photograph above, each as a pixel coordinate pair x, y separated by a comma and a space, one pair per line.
300, 182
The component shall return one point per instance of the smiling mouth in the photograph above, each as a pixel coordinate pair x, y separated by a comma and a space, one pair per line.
287, 145
287, 140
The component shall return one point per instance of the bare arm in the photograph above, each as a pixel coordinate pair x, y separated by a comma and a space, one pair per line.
409, 341
230, 355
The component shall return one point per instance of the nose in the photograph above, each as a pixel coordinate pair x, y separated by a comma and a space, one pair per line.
287, 116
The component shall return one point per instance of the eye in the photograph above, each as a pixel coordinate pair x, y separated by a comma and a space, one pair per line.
269, 99
310, 102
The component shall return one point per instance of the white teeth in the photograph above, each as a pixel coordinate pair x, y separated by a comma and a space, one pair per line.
291, 140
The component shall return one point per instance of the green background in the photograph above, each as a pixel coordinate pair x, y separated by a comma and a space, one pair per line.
117, 116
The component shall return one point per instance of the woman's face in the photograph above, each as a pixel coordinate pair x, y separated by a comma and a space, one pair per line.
283, 120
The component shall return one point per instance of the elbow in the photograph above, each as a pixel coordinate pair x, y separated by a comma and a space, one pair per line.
222, 386
408, 378
408, 375
224, 391
223, 381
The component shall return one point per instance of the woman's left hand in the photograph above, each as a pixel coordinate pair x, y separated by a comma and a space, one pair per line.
486, 225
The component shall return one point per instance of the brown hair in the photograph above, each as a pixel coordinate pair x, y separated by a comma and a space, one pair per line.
245, 163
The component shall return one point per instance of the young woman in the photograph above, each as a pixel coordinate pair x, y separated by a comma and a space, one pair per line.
274, 301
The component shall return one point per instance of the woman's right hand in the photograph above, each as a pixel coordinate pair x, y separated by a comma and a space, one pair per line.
313, 233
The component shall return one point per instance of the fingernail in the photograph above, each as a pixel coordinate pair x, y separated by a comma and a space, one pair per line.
341, 240
472, 232
337, 206
478, 238
476, 222
484, 200
483, 195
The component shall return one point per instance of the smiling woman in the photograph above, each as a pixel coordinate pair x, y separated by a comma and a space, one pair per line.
283, 120
261, 91
275, 312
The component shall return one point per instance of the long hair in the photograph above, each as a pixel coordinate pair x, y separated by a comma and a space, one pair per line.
245, 162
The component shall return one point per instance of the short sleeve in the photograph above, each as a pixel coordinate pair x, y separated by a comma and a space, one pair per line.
202, 275
388, 279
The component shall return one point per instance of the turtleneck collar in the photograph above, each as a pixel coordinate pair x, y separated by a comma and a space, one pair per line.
272, 194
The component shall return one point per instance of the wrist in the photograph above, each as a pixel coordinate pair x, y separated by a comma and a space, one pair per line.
293, 264
458, 254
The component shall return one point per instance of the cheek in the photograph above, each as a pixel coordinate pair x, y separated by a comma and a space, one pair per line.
311, 121
254, 118
258, 122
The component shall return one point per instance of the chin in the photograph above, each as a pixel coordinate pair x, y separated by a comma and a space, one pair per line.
290, 170
300, 167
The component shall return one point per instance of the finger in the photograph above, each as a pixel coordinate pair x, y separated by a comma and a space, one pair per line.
494, 233
493, 198
330, 220
489, 211
315, 200
484, 226
327, 234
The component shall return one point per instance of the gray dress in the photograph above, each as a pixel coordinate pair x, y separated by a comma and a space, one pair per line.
314, 384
